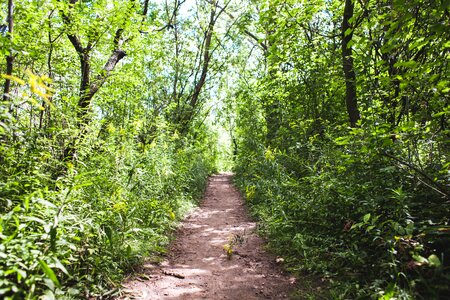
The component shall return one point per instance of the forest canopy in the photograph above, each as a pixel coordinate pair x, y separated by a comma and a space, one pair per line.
333, 115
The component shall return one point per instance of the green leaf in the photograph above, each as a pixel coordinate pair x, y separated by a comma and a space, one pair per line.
370, 228
46, 203
4, 291
60, 266
48, 295
443, 85
348, 32
49, 272
342, 141
418, 44
434, 261
35, 219
366, 218
420, 259
350, 44
406, 64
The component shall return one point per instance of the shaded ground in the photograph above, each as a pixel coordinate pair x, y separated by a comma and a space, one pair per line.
198, 266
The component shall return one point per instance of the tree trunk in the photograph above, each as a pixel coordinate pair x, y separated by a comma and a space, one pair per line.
10, 57
272, 111
347, 62
187, 112
88, 87
46, 112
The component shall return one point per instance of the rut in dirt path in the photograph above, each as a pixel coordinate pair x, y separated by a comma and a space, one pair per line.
198, 267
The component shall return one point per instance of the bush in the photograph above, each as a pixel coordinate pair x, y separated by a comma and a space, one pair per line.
350, 215
77, 235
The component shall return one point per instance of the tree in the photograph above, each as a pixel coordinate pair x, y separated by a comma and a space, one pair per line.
347, 62
10, 56
89, 87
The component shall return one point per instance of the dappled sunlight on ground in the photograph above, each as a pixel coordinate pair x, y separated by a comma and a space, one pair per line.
198, 266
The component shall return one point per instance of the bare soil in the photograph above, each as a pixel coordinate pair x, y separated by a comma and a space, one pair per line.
198, 266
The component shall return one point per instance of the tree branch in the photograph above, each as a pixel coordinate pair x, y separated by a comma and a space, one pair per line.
251, 35
115, 57
443, 190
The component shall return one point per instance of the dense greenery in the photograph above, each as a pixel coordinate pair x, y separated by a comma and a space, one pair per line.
337, 117
362, 199
94, 168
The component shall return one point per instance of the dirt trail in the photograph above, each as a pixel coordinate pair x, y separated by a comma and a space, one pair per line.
198, 267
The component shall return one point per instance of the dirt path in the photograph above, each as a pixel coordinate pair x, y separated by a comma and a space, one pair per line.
198, 266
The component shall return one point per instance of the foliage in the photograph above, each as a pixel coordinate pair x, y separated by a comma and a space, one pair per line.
366, 207
107, 137
90, 187
100, 219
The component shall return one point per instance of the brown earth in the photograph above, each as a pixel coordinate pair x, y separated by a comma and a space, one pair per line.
198, 266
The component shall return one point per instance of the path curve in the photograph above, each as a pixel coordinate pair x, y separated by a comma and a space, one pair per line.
198, 267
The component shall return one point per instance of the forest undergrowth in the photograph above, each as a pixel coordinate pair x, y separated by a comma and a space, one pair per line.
342, 144
77, 235
346, 214
333, 114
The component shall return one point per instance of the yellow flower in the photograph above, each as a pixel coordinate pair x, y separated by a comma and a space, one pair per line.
228, 250
120, 206
269, 155
250, 192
